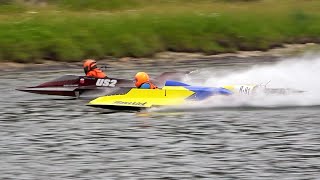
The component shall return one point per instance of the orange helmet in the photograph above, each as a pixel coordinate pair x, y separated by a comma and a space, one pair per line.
89, 64
141, 77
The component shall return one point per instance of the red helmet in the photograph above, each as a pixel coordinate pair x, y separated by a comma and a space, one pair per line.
89, 64
141, 77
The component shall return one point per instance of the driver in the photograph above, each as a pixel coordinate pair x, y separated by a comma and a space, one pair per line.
143, 81
91, 69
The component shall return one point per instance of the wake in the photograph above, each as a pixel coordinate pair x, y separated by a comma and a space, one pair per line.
299, 73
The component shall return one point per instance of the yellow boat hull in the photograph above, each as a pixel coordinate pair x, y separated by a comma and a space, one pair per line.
145, 98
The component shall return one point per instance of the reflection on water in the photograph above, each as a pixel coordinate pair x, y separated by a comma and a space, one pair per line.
45, 137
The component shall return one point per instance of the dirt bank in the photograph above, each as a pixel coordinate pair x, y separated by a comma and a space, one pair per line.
287, 50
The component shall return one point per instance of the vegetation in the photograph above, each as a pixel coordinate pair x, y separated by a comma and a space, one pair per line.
70, 30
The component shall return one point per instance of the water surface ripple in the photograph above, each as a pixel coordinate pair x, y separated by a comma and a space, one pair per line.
46, 137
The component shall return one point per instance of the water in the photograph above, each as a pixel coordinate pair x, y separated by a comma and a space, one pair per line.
47, 137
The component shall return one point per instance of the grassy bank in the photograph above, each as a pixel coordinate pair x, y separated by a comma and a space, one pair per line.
69, 31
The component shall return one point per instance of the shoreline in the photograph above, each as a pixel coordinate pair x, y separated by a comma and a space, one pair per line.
55, 32
288, 50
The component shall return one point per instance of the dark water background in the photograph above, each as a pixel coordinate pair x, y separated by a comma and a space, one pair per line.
48, 137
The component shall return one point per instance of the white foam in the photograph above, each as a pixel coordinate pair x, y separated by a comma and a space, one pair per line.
300, 73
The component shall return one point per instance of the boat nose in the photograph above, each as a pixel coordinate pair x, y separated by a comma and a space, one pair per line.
24, 89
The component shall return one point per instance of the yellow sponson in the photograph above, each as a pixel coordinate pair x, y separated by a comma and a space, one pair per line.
238, 86
241, 89
229, 87
174, 95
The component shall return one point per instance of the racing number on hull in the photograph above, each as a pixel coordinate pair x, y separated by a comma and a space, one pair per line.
106, 82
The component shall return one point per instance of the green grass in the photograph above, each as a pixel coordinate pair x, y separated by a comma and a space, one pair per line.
66, 31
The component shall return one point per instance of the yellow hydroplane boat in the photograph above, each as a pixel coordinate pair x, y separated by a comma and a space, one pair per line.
173, 93
176, 93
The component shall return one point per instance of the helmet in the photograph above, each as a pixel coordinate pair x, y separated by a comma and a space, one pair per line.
89, 64
141, 77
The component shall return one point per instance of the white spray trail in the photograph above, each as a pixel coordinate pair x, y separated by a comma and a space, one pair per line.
300, 73
291, 73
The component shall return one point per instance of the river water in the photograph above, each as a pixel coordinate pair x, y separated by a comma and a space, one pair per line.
49, 137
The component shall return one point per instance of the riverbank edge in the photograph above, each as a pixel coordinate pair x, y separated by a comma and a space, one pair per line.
286, 51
